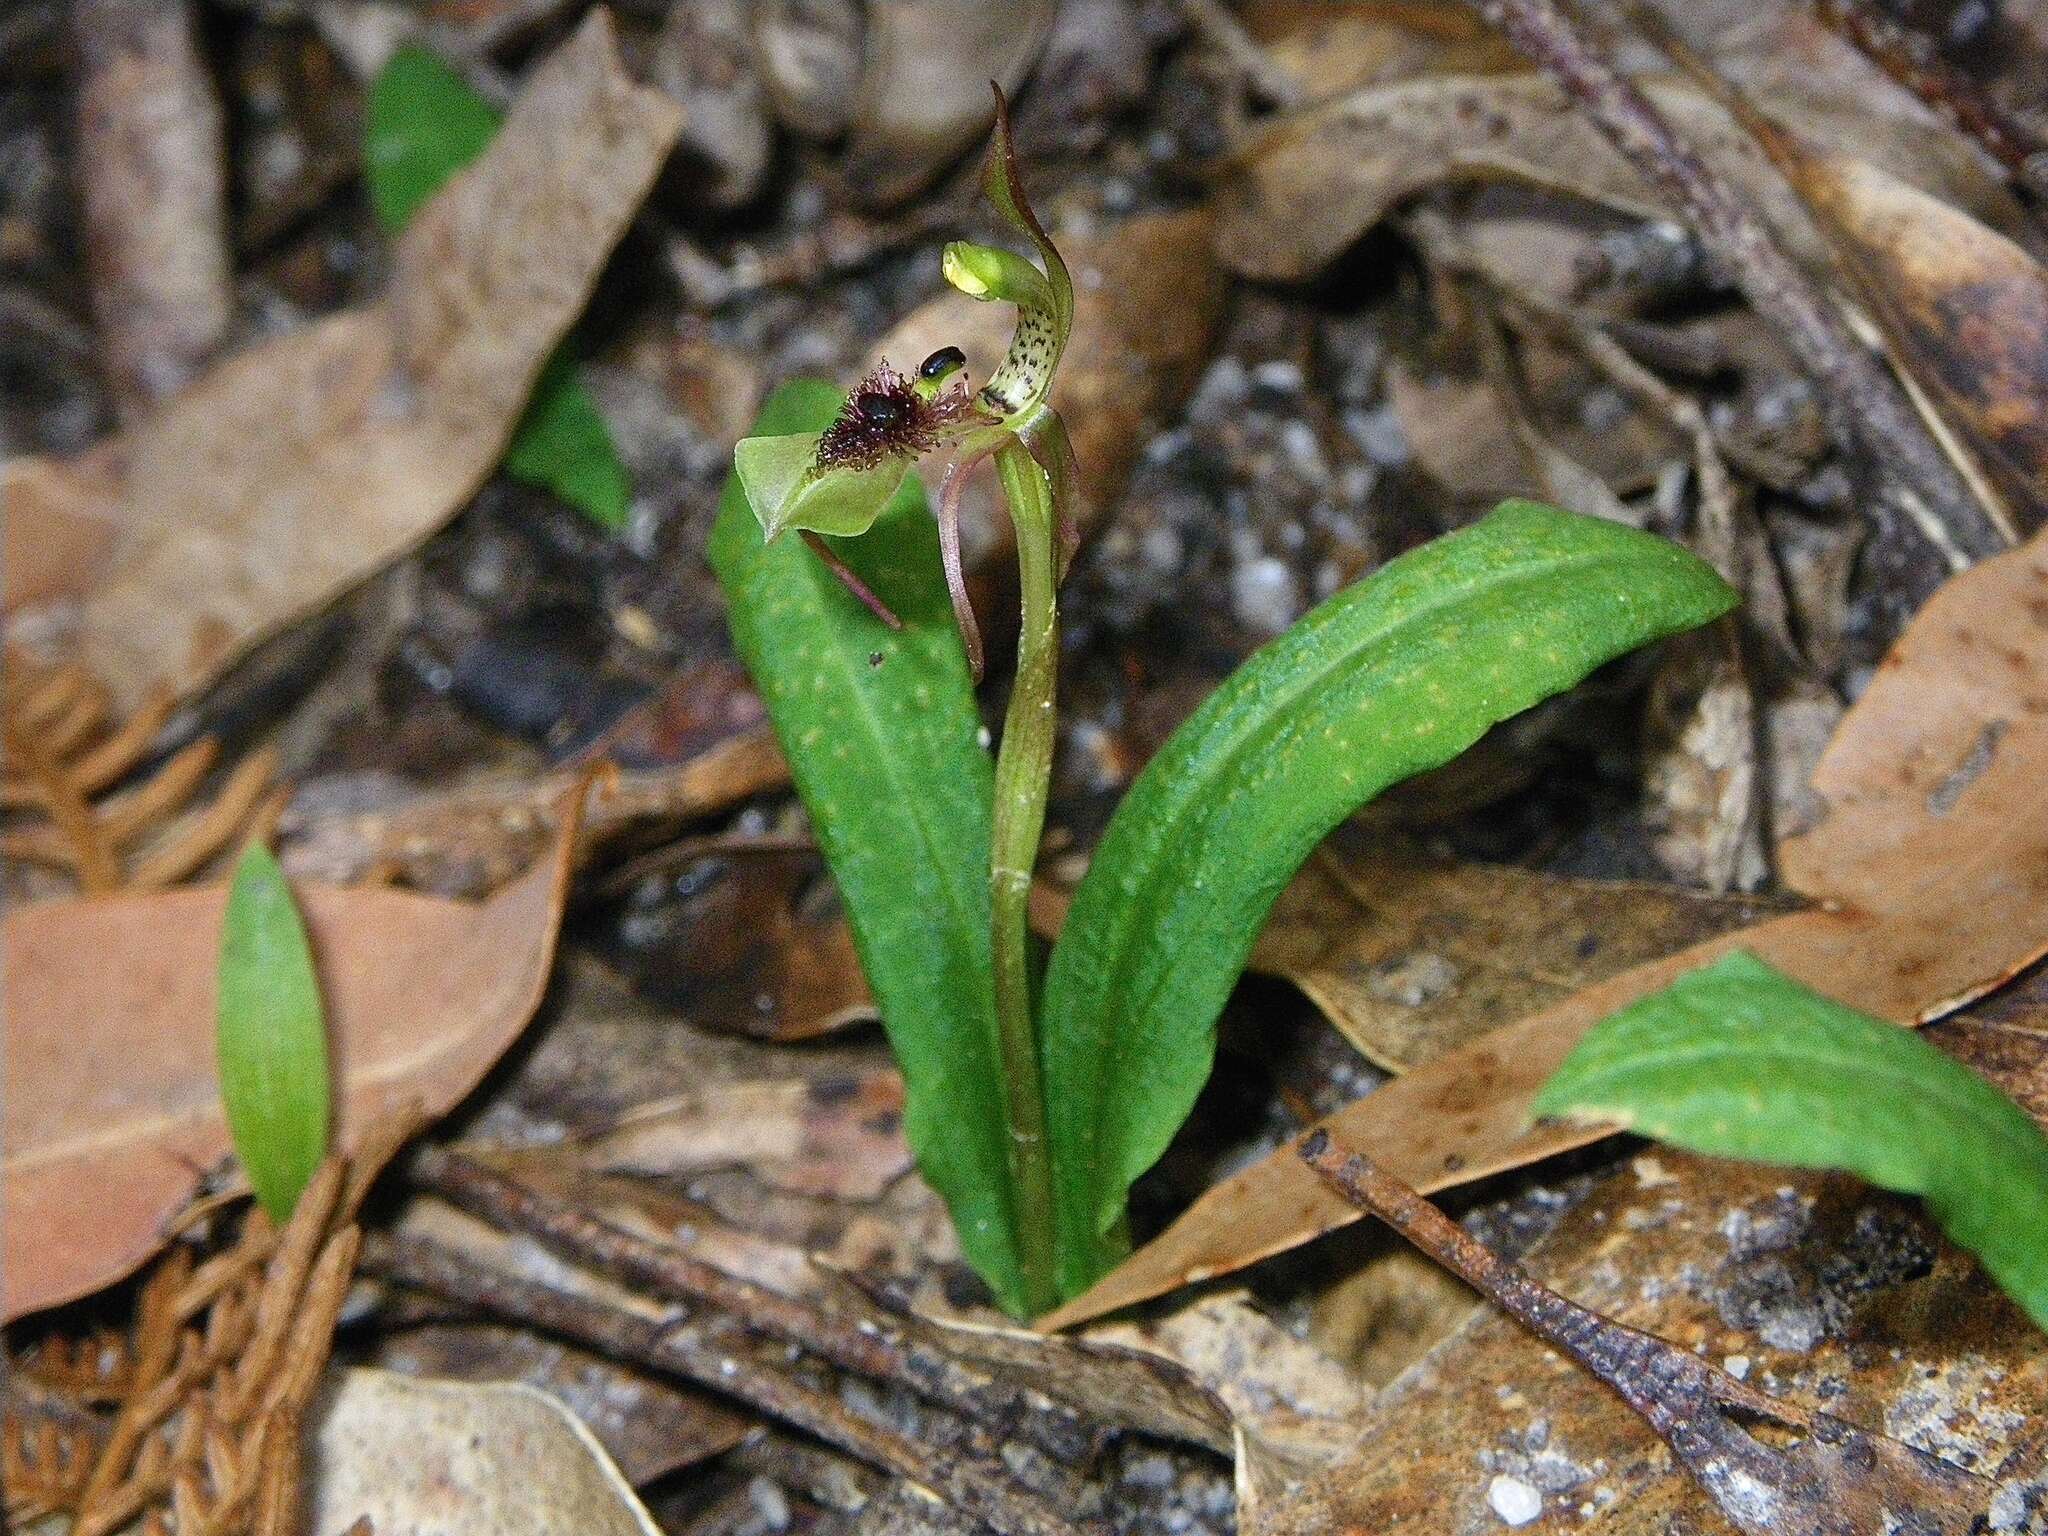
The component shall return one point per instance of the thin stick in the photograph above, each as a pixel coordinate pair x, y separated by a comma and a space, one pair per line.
1867, 406
1838, 1479
975, 1487
863, 1345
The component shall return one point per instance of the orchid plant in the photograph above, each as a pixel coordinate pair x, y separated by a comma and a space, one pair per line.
839, 480
1035, 1096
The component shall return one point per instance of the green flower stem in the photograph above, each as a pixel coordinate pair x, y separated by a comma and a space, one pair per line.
1023, 774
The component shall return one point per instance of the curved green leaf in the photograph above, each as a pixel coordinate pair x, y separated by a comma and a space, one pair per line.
271, 1035
1738, 1060
884, 741
1385, 680
422, 124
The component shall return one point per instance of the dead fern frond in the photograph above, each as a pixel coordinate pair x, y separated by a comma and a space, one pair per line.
214, 1379
66, 752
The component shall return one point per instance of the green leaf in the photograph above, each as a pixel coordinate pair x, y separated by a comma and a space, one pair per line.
563, 445
1738, 1060
271, 1036
776, 472
884, 741
424, 124
1387, 679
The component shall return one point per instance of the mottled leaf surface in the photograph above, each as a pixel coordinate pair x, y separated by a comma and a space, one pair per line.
1389, 678
1739, 1060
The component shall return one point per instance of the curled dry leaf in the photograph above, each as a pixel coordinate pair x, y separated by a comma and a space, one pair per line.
471, 839
1318, 179
114, 1103
1964, 308
1148, 295
372, 426
1933, 842
462, 1458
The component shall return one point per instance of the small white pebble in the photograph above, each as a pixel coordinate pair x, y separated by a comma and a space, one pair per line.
1736, 1366
1515, 1501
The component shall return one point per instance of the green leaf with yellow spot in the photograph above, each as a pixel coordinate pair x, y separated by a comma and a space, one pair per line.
884, 741
1389, 678
1738, 1060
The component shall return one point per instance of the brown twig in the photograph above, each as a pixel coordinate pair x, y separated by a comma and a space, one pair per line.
978, 1488
1911, 60
1837, 1481
1867, 407
153, 166
866, 1345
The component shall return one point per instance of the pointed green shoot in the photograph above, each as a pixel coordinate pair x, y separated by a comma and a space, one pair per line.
271, 1036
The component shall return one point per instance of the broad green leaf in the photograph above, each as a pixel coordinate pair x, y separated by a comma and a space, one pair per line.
1738, 1060
271, 1036
1387, 679
775, 472
883, 739
424, 124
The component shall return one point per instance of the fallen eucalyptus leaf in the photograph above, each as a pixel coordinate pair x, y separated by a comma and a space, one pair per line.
271, 1036
1738, 1060
1411, 956
114, 1109
1319, 178
289, 472
461, 1459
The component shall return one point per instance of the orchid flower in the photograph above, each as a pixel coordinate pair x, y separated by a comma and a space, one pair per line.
837, 482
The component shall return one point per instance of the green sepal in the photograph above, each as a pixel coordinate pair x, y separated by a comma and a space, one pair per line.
786, 489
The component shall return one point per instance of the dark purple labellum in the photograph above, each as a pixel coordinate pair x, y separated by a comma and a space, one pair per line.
886, 418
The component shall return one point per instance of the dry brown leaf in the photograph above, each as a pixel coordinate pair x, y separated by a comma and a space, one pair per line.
464, 1459
288, 473
1934, 841
1133, 357
113, 1097
1317, 180
1811, 1287
1964, 309
1411, 956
